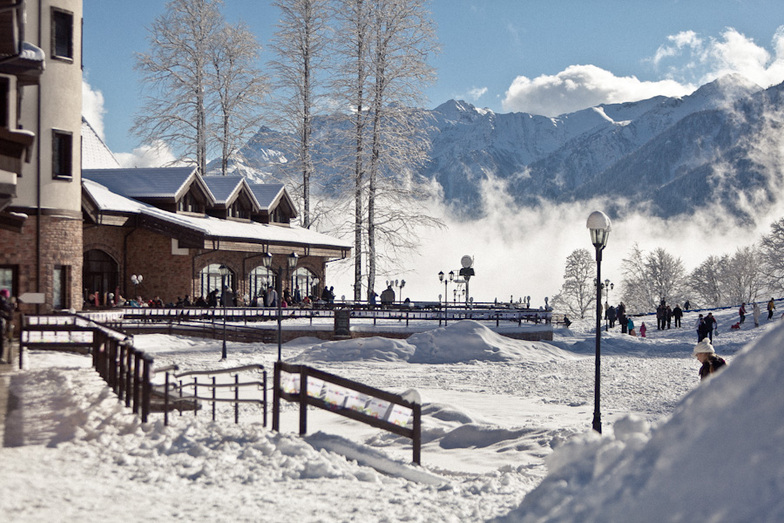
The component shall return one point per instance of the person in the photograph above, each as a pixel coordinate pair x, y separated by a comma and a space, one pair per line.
677, 313
643, 328
700, 326
630, 327
567, 321
621, 314
668, 314
710, 325
660, 316
771, 307
706, 355
387, 296
742, 312
6, 317
611, 315
755, 312
372, 295
686, 305
272, 297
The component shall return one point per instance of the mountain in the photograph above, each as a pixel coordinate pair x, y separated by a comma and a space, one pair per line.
671, 156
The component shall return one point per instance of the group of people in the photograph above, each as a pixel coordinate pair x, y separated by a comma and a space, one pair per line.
665, 316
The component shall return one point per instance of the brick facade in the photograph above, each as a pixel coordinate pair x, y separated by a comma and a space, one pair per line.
60, 246
169, 275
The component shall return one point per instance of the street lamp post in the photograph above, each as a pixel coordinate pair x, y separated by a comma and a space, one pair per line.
224, 271
266, 260
446, 296
599, 226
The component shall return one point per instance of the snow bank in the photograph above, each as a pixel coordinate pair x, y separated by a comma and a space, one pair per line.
718, 457
460, 342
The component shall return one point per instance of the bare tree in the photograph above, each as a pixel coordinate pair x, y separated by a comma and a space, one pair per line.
650, 278
176, 72
403, 38
742, 276
705, 281
578, 292
240, 88
350, 85
300, 46
771, 260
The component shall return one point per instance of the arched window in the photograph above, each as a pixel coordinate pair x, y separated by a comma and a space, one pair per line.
210, 280
258, 280
305, 280
99, 274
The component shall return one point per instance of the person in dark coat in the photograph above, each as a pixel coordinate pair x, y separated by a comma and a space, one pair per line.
706, 355
677, 313
611, 315
621, 314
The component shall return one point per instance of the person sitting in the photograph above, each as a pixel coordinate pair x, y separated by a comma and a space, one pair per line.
387, 297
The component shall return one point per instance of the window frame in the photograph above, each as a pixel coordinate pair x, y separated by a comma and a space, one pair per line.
59, 139
62, 19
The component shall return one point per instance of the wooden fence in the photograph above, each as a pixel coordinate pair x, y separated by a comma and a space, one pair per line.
359, 402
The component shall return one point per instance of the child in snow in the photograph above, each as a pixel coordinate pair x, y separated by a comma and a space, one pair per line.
704, 352
630, 327
643, 328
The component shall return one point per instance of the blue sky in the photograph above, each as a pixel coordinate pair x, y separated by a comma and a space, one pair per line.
545, 57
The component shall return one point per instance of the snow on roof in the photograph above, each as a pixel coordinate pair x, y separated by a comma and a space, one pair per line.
108, 201
95, 153
148, 182
223, 187
266, 193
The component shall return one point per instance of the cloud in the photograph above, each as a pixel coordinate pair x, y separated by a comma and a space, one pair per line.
157, 155
476, 93
689, 57
581, 86
685, 61
93, 108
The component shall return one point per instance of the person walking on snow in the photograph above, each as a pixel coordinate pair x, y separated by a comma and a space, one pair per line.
677, 313
771, 308
742, 313
643, 328
630, 327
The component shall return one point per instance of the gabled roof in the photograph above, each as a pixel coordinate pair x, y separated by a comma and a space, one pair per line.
269, 195
208, 232
151, 183
95, 153
225, 189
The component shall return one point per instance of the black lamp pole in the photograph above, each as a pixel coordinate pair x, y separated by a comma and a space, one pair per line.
223, 271
599, 225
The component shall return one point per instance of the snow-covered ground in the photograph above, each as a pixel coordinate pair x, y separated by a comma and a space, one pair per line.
506, 434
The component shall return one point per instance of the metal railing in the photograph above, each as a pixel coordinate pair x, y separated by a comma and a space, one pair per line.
125, 369
212, 385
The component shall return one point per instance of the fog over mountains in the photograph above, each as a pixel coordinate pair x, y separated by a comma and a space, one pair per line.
722, 144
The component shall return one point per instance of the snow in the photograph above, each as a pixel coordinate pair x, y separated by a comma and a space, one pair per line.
506, 434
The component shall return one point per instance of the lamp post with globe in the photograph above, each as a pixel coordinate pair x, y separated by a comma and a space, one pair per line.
599, 226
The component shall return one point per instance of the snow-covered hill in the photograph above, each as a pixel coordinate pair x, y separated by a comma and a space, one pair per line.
669, 155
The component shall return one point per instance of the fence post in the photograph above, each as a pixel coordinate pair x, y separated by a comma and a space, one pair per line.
166, 401
264, 395
121, 379
128, 376
146, 387
214, 396
236, 398
276, 397
136, 381
417, 436
303, 400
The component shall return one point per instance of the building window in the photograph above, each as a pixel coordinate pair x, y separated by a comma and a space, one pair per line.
59, 293
5, 101
62, 34
210, 283
62, 154
8, 278
259, 280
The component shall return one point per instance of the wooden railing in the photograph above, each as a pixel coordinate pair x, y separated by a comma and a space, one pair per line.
359, 402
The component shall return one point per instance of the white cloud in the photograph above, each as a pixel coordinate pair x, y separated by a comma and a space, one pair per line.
690, 57
581, 86
476, 93
93, 108
157, 155
687, 60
